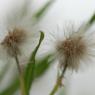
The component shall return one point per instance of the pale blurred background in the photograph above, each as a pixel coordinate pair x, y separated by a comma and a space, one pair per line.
77, 11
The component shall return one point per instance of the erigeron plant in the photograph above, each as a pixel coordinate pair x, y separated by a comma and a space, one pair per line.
69, 52
73, 49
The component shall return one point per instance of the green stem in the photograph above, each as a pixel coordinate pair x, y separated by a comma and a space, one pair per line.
59, 81
21, 77
56, 87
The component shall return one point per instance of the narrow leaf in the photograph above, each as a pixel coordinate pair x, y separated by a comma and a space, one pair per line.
29, 74
4, 71
11, 89
43, 65
41, 12
92, 19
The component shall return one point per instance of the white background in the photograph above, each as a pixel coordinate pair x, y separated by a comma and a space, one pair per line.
77, 11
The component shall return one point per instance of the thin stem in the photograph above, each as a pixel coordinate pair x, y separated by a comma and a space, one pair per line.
59, 81
21, 77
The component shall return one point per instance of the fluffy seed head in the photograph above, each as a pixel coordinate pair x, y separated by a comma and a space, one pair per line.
71, 50
72, 47
13, 40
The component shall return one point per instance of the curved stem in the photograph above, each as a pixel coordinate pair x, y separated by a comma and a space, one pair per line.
59, 81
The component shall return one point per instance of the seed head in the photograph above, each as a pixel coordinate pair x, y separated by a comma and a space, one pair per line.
73, 47
13, 40
72, 50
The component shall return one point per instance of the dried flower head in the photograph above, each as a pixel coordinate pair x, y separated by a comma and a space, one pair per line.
13, 40
75, 48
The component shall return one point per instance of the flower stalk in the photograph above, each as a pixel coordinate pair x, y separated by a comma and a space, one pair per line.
59, 81
21, 77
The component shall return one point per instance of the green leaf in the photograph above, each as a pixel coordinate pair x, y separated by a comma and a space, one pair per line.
42, 65
41, 12
29, 74
88, 24
92, 19
4, 71
11, 89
